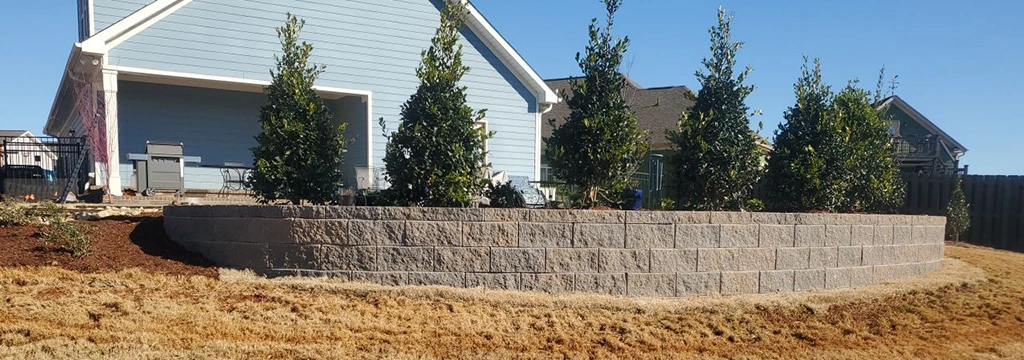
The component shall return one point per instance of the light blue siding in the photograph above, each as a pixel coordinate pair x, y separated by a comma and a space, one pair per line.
108, 12
372, 45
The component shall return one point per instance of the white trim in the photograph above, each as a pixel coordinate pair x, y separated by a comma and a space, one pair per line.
369, 131
509, 56
110, 107
219, 82
537, 148
92, 17
115, 34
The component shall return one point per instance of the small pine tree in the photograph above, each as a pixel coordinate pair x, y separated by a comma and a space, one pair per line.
807, 169
958, 212
299, 152
874, 173
715, 157
600, 145
436, 156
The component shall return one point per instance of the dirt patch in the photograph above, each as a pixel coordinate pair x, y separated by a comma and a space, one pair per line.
117, 244
49, 312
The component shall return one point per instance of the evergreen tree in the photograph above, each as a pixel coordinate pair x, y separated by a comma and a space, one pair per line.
436, 156
875, 182
300, 149
600, 144
715, 157
807, 169
958, 212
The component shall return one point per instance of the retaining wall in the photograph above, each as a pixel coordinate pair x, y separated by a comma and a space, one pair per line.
636, 253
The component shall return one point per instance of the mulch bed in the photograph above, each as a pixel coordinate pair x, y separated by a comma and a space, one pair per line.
117, 244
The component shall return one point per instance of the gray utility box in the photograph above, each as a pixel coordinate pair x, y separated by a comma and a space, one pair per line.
160, 168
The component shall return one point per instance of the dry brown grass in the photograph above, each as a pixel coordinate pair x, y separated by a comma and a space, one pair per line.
974, 308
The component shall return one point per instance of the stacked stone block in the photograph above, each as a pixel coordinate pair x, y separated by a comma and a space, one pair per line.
656, 254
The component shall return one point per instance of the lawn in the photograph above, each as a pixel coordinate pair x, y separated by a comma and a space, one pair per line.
972, 308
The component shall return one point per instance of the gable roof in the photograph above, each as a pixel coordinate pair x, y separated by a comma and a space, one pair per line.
921, 119
14, 133
101, 43
657, 109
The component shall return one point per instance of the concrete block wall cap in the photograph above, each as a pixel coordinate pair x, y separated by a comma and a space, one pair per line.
504, 215
725, 217
774, 218
922, 220
668, 217
578, 216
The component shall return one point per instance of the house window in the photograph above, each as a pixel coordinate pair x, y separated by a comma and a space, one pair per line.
38, 158
894, 128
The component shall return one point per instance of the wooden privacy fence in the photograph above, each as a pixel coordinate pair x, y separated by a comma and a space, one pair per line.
997, 206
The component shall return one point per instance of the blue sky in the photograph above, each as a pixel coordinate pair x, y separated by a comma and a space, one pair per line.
958, 62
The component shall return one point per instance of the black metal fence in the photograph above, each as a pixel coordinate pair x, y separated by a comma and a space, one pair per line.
42, 168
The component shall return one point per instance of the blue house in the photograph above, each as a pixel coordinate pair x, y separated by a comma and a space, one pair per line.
193, 71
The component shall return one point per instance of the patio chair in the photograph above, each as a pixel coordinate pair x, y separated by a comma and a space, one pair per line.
234, 176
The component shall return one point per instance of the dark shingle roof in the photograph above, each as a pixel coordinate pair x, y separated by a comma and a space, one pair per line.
657, 109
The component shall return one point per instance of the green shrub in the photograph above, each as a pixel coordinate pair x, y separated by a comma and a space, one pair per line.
46, 212
69, 236
716, 161
436, 156
299, 152
755, 205
504, 196
600, 145
958, 212
11, 212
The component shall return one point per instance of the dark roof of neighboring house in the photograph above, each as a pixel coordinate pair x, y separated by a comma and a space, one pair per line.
657, 109
921, 119
12, 133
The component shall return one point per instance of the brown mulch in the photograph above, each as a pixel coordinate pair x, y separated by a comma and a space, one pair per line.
117, 244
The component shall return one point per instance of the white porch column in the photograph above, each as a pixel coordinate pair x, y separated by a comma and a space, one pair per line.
113, 142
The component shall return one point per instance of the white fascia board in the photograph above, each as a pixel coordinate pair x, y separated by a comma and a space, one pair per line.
509, 56
76, 52
102, 42
218, 82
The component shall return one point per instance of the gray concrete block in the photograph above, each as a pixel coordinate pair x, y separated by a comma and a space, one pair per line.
814, 219
463, 259
624, 260
838, 235
500, 281
548, 283
792, 258
306, 231
750, 259
450, 279
747, 282
861, 275
356, 258
605, 284
739, 235
504, 234
862, 235
765, 218
777, 235
730, 217
850, 256
291, 256
703, 283
517, 260
902, 235
873, 255
599, 236
922, 234
777, 281
504, 215
578, 216
923, 220
810, 235
430, 233
651, 285
381, 278
650, 236
572, 260
892, 220
883, 235
668, 217
824, 257
369, 232
673, 260
716, 260
551, 235
837, 278
813, 279
697, 236
234, 255
406, 258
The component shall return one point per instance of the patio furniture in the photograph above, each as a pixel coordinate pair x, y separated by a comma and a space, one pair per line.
235, 175
161, 167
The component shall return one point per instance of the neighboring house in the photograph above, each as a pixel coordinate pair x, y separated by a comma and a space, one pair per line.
21, 147
193, 71
921, 146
